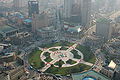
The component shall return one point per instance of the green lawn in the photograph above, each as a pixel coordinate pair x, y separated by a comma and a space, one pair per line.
34, 59
67, 43
47, 55
88, 54
48, 59
67, 70
61, 43
75, 53
58, 62
71, 62
63, 48
53, 49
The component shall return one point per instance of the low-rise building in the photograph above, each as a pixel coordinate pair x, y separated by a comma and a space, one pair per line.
94, 41
113, 46
20, 38
13, 70
7, 57
48, 34
4, 47
7, 31
4, 76
74, 32
110, 70
107, 72
3, 21
89, 75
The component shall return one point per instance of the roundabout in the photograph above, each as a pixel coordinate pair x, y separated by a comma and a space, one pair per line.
60, 57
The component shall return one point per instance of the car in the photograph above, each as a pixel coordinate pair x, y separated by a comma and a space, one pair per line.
68, 75
31, 68
58, 75
39, 71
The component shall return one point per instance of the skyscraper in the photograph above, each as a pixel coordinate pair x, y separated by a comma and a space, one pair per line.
33, 7
39, 20
68, 8
104, 28
17, 4
85, 12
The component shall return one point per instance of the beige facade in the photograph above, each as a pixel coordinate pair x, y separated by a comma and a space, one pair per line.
14, 70
8, 58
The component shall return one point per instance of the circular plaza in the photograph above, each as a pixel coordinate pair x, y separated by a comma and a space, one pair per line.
62, 58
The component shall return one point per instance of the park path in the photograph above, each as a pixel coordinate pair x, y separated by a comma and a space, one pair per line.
81, 61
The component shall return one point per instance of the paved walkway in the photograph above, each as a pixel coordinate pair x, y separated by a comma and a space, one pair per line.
66, 55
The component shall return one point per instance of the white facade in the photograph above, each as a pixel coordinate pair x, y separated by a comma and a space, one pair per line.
68, 8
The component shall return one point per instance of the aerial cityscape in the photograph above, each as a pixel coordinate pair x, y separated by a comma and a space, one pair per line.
59, 39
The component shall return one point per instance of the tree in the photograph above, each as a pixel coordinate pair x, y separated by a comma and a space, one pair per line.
60, 63
42, 64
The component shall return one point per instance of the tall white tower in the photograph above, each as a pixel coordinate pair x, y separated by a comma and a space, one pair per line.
68, 8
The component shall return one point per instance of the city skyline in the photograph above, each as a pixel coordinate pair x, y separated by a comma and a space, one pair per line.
59, 40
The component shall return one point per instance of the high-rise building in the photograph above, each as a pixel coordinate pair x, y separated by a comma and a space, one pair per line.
39, 20
68, 8
17, 4
85, 12
33, 7
104, 28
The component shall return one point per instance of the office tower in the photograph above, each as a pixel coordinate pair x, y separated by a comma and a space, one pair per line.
17, 4
68, 8
85, 12
104, 28
33, 7
39, 21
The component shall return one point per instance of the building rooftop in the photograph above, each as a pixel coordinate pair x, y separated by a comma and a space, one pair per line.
112, 65
47, 29
28, 20
5, 55
74, 29
5, 28
3, 75
104, 20
91, 74
93, 37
